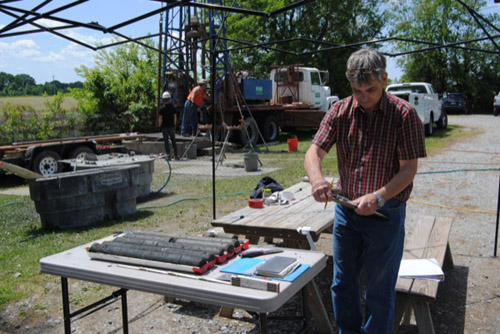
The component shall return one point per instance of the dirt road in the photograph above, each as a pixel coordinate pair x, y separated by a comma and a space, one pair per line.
463, 183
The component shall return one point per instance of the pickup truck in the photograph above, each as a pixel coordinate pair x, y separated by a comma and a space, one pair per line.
426, 101
496, 104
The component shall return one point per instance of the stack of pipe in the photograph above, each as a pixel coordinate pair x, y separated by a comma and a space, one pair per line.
199, 252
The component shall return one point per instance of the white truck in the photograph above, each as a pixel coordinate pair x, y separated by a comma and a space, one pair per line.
426, 101
311, 87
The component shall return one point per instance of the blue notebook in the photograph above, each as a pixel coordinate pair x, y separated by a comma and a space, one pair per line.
246, 266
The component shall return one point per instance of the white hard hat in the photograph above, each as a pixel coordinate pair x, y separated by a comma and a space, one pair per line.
165, 95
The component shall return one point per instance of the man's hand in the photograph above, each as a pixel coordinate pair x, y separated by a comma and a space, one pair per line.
367, 204
322, 191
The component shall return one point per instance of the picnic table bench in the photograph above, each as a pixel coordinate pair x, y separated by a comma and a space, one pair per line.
429, 239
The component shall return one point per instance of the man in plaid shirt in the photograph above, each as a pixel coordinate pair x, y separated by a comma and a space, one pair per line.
379, 139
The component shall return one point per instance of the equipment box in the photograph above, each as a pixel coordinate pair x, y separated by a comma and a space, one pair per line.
256, 89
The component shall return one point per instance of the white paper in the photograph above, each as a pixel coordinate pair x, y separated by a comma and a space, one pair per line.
421, 269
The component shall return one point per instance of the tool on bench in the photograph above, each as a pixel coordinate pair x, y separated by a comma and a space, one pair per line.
259, 252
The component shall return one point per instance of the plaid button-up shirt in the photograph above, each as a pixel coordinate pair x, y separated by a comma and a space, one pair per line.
369, 152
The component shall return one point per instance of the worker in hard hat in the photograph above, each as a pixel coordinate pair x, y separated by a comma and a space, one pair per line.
194, 101
167, 120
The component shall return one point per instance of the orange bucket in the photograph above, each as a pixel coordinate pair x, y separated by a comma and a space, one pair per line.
292, 144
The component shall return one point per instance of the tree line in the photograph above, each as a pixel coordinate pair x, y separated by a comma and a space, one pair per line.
119, 91
24, 85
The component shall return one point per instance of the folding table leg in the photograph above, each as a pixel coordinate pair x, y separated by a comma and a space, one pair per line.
65, 300
263, 323
123, 293
93, 307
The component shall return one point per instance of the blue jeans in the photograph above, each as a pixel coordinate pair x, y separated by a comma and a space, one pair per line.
377, 245
189, 118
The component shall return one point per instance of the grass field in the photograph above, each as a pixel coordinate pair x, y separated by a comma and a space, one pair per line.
23, 242
37, 102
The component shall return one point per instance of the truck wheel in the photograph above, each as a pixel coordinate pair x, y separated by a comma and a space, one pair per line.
250, 132
429, 126
79, 152
270, 129
443, 121
46, 163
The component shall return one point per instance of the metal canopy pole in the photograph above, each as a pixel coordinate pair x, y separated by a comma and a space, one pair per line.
498, 213
213, 71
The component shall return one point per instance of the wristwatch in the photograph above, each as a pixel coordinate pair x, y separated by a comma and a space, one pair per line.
380, 199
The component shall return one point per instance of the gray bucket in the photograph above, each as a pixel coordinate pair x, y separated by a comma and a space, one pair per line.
251, 161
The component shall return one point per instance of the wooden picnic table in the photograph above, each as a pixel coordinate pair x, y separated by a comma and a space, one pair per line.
282, 221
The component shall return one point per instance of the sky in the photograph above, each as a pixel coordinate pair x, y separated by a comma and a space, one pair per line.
47, 57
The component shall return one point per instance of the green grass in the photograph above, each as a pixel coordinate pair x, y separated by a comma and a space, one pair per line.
23, 242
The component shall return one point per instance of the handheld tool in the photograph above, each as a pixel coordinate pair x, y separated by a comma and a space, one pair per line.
259, 252
345, 202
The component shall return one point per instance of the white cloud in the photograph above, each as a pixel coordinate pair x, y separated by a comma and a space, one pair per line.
49, 23
92, 40
24, 48
52, 57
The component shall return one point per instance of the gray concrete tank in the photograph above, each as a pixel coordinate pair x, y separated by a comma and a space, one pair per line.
83, 198
146, 167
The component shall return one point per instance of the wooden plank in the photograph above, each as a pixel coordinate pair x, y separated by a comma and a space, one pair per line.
436, 248
20, 171
414, 248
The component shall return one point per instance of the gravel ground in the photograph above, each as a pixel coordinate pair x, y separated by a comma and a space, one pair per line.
461, 186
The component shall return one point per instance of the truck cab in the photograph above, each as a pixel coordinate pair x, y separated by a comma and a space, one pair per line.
302, 85
424, 98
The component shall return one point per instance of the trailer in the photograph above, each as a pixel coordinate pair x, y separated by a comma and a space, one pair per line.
43, 156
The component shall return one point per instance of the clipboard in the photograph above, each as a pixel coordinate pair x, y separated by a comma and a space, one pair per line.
345, 202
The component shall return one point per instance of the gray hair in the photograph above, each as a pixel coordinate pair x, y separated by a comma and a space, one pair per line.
362, 63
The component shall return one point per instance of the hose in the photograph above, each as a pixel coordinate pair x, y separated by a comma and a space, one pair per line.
459, 170
168, 178
190, 199
11, 203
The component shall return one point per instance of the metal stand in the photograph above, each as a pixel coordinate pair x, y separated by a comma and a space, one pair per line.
87, 310
498, 212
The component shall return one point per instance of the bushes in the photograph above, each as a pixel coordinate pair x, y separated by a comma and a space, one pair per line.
20, 122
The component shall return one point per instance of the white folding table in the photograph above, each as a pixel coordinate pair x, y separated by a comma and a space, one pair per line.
76, 264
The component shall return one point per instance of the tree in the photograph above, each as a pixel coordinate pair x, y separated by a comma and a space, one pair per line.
448, 69
330, 21
120, 90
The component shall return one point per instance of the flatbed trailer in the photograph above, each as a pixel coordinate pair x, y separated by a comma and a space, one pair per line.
42, 156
